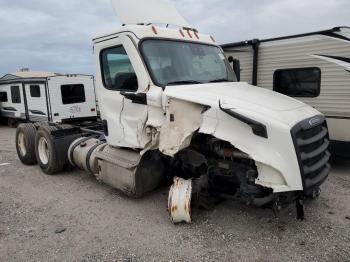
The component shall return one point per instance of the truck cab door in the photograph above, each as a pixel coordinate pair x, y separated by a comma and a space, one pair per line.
121, 72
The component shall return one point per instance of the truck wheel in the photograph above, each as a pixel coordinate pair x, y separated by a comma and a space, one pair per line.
25, 143
46, 154
179, 200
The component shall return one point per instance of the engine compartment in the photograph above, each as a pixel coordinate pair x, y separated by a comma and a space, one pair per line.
216, 171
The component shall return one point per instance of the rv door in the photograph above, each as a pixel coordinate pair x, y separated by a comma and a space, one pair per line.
37, 102
13, 103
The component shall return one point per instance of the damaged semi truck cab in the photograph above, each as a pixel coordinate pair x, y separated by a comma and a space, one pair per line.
173, 91
172, 110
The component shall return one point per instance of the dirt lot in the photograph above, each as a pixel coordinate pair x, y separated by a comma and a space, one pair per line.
100, 224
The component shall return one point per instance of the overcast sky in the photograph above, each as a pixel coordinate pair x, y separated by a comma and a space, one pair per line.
48, 35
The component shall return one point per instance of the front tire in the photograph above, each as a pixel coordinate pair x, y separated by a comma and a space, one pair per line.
25, 143
46, 154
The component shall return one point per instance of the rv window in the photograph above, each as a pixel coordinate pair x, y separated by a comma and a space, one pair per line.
3, 97
73, 94
35, 91
117, 70
15, 95
299, 82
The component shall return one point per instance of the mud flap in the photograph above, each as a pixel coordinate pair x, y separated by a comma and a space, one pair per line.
300, 208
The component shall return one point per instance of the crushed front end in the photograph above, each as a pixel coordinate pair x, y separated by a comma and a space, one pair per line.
215, 170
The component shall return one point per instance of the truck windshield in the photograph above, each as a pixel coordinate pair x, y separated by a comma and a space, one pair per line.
177, 62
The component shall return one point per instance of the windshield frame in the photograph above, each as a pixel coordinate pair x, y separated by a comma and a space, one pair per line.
148, 66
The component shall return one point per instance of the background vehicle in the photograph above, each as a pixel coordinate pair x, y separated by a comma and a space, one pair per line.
171, 109
312, 67
47, 97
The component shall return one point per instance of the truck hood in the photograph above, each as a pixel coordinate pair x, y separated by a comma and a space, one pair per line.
251, 101
238, 94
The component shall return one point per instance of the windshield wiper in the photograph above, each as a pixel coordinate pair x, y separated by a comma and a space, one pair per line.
220, 80
184, 82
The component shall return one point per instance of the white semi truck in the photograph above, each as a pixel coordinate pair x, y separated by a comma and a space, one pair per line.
172, 110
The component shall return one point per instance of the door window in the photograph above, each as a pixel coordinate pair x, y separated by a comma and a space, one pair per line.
15, 95
73, 94
299, 82
117, 70
35, 91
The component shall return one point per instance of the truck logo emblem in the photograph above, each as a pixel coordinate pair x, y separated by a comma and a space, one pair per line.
314, 121
74, 109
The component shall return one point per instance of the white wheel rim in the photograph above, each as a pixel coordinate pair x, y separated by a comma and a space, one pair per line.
179, 200
43, 150
21, 144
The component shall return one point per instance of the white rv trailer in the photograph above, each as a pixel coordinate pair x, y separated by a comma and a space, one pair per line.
312, 67
47, 97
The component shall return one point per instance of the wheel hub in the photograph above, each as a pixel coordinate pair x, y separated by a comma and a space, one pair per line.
21, 144
43, 150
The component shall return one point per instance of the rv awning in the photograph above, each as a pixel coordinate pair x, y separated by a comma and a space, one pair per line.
146, 12
26, 76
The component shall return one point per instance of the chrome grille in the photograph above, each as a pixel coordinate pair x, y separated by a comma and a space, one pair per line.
311, 142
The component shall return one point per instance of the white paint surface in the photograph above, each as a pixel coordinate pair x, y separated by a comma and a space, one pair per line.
75, 110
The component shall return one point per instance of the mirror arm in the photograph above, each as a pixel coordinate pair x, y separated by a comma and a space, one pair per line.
136, 98
236, 67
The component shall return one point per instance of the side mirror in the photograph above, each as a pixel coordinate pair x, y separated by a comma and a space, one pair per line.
230, 59
126, 81
236, 67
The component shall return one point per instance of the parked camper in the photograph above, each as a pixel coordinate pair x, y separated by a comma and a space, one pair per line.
50, 97
312, 67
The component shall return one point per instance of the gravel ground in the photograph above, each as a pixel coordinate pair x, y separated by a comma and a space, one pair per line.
71, 217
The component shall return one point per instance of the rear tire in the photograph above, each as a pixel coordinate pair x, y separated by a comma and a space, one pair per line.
25, 143
45, 151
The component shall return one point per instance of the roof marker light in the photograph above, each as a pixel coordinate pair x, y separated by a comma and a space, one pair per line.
154, 30
182, 33
189, 33
196, 34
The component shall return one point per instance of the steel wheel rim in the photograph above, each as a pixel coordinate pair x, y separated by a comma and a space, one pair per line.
21, 144
43, 150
